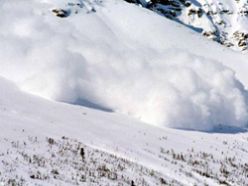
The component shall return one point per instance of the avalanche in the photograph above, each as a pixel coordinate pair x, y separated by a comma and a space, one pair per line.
139, 73
115, 56
121, 62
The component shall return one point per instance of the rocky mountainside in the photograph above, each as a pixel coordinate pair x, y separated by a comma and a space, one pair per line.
224, 21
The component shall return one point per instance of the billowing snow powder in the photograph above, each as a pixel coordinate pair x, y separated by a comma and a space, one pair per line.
86, 59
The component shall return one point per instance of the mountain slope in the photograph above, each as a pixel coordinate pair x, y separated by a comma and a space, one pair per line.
221, 20
128, 65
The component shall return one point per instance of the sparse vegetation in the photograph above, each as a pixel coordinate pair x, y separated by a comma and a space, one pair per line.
64, 161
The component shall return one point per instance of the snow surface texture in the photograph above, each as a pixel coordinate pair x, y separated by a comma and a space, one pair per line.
112, 56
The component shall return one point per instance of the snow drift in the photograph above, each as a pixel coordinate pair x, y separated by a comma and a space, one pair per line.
116, 59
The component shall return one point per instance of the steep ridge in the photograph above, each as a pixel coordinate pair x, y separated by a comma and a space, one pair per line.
224, 21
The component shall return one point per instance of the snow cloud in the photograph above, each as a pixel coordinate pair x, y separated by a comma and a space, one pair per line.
84, 61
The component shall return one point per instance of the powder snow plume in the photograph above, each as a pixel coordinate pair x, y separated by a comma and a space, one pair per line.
93, 59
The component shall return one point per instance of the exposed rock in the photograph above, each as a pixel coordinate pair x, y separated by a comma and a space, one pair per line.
241, 39
213, 19
60, 13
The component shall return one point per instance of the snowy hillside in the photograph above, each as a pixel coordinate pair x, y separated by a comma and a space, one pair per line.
42, 142
128, 74
224, 21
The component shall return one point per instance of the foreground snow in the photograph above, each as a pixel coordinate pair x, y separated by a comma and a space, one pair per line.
41, 143
111, 55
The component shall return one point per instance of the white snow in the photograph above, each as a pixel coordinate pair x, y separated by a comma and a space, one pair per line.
132, 67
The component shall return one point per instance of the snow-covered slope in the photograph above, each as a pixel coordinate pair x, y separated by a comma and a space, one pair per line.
129, 65
115, 56
41, 144
224, 21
